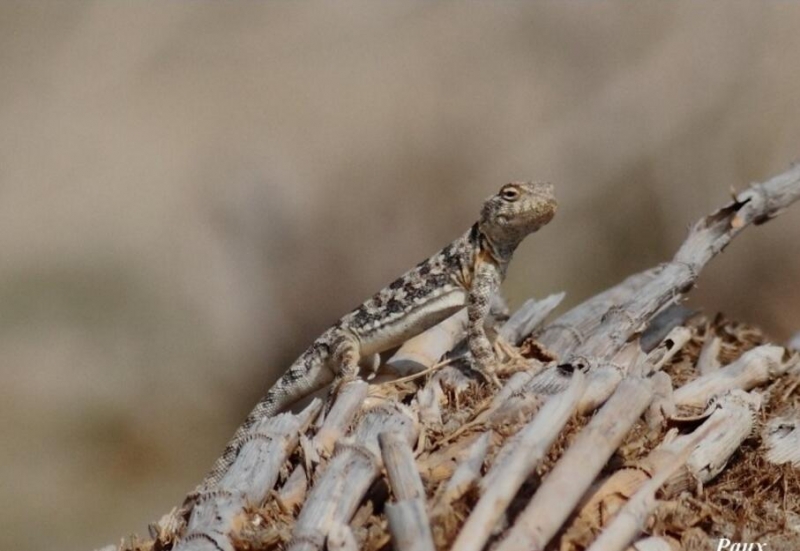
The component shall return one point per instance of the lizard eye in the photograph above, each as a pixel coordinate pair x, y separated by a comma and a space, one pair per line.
510, 194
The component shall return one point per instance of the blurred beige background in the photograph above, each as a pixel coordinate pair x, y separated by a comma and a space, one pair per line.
190, 192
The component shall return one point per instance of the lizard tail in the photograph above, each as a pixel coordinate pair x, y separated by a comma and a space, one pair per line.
307, 375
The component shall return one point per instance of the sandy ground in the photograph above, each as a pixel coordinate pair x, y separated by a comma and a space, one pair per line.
191, 191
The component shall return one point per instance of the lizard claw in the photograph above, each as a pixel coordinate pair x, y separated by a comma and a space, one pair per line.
492, 379
506, 360
487, 370
512, 360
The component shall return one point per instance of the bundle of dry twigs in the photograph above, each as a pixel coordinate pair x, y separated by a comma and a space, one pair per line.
626, 423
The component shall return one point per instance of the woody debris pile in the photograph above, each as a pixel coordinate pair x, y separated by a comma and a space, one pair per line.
629, 422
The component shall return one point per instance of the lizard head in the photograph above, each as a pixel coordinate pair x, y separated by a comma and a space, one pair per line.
519, 208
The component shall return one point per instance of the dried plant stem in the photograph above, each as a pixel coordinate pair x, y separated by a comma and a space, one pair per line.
408, 523
525, 452
348, 403
354, 465
755, 367
258, 467
629, 520
570, 478
408, 520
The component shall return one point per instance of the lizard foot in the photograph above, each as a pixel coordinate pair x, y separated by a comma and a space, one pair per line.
509, 359
170, 527
490, 375
486, 369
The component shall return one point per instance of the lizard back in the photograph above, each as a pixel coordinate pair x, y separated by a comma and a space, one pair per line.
419, 299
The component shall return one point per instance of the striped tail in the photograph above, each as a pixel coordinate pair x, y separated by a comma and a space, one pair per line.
307, 375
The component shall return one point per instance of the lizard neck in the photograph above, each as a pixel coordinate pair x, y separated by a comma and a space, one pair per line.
499, 251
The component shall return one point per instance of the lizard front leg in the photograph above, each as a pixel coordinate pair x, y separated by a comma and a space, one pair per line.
485, 283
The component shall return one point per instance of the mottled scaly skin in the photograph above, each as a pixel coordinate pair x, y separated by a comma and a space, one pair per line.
466, 273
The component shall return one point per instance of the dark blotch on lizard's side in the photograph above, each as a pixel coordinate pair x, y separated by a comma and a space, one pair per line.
416, 291
397, 283
394, 306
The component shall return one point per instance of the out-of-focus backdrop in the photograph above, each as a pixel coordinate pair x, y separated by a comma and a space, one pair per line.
191, 191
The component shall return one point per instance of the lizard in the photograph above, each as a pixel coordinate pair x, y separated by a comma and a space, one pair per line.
465, 273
